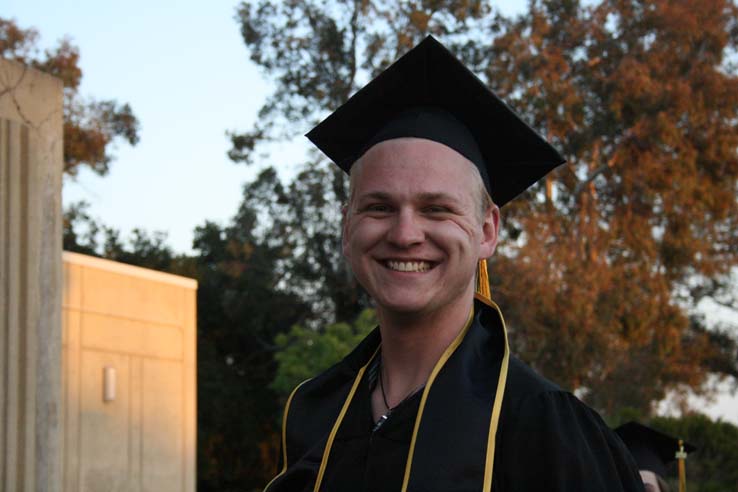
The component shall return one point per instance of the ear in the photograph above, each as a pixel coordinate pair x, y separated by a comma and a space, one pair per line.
490, 230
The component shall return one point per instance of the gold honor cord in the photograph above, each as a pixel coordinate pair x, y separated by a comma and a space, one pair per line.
332, 436
483, 280
681, 457
484, 293
436, 369
284, 434
496, 408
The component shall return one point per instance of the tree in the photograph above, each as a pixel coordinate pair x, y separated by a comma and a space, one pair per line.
302, 221
304, 352
311, 53
240, 312
603, 263
640, 226
711, 468
81, 233
90, 127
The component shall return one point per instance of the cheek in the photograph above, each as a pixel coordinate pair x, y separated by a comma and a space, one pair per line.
361, 235
460, 235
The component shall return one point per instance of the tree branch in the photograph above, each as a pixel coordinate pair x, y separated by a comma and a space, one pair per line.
580, 186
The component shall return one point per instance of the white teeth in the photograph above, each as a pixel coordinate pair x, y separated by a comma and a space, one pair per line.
409, 266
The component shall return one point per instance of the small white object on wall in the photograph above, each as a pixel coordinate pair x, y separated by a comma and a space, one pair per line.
108, 383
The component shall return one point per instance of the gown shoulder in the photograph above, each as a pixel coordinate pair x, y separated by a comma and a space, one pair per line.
550, 440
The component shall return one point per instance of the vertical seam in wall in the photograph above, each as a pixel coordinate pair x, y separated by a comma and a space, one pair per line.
66, 384
24, 330
13, 408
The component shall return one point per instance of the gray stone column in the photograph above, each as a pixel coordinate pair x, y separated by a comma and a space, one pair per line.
31, 163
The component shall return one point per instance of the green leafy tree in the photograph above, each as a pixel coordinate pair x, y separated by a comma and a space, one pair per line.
90, 126
711, 468
305, 352
240, 312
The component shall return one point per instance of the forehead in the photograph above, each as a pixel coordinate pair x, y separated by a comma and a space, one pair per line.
414, 165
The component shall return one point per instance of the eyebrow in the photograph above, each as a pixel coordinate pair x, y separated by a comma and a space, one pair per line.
425, 197
437, 196
374, 195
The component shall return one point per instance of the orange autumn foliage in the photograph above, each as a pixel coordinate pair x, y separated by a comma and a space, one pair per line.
89, 126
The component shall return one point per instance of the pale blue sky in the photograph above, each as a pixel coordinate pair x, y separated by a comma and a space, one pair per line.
185, 71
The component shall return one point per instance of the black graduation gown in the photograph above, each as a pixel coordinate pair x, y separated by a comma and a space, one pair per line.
546, 439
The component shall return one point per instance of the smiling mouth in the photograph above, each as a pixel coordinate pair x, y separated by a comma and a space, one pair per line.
408, 266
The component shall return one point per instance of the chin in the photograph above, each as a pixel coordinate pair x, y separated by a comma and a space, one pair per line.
404, 306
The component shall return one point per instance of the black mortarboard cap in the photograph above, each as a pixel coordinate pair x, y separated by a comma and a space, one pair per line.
652, 450
428, 93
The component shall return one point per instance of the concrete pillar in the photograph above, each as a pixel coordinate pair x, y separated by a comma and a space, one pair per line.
31, 163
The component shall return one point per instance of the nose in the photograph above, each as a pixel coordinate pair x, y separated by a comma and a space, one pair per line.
406, 230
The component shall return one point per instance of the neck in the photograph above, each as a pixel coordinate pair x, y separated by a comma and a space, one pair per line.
413, 344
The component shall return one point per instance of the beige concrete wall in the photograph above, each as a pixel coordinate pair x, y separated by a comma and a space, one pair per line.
31, 163
142, 324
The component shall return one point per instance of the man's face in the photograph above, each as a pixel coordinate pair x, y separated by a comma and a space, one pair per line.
413, 232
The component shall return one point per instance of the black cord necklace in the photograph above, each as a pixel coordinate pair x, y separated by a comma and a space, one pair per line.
389, 411
384, 396
381, 388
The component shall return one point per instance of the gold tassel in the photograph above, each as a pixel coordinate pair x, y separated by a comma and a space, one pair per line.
681, 456
483, 280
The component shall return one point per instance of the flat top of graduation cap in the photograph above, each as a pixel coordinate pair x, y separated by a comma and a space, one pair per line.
651, 449
428, 93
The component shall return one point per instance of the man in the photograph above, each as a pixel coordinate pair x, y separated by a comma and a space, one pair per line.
432, 400
653, 451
